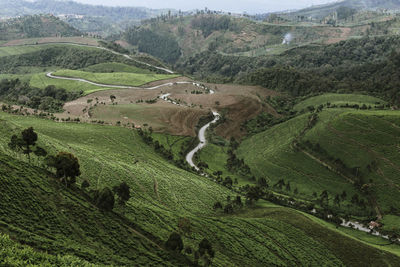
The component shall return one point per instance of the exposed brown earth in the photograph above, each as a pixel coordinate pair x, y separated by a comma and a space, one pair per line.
238, 104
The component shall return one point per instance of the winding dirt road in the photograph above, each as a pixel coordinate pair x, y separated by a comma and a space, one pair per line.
202, 139
50, 75
202, 132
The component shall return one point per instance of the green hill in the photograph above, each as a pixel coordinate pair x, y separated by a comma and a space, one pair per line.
338, 149
63, 221
35, 26
321, 11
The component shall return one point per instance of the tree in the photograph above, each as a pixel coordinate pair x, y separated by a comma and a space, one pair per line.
206, 247
217, 205
40, 152
254, 193
123, 192
238, 201
262, 182
337, 200
29, 137
105, 199
174, 242
67, 167
85, 184
288, 186
344, 195
228, 182
228, 208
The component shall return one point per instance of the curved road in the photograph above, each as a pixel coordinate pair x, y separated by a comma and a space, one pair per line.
202, 139
202, 132
50, 75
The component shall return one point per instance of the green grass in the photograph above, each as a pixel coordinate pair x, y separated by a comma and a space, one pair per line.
357, 138
216, 156
172, 142
270, 155
60, 220
115, 67
339, 99
117, 78
18, 50
391, 223
40, 80
31, 47
14, 254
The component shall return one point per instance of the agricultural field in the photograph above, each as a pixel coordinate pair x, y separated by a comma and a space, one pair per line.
18, 50
40, 80
339, 100
162, 117
162, 193
115, 67
52, 40
365, 141
14, 254
116, 78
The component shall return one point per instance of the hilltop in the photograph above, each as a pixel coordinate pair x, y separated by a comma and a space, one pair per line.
94, 19
348, 7
35, 26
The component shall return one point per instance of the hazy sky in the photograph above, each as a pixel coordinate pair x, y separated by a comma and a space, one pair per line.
252, 6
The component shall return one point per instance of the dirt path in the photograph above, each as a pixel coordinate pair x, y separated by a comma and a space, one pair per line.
202, 139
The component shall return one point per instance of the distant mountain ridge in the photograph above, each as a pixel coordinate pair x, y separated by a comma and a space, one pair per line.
35, 26
94, 19
21, 7
321, 11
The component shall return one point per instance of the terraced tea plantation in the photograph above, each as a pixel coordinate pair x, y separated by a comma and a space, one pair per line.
162, 194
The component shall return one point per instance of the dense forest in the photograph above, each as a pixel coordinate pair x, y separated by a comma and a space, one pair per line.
162, 46
363, 65
66, 57
209, 24
50, 99
35, 26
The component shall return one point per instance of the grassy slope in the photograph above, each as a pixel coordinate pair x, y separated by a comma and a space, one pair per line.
281, 236
338, 99
116, 78
14, 254
269, 154
115, 67
360, 137
355, 137
18, 50
63, 221
40, 80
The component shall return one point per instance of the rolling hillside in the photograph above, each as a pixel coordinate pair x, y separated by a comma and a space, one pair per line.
322, 11
338, 149
35, 26
135, 233
93, 19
